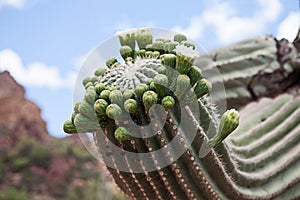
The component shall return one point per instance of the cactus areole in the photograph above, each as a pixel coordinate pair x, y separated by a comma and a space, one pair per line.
150, 112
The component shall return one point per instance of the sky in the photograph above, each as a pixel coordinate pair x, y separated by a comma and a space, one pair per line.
43, 43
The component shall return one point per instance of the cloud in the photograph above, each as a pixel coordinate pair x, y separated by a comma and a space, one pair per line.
36, 74
223, 18
18, 4
194, 30
288, 28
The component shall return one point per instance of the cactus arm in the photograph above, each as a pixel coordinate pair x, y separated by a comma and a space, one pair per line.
252, 68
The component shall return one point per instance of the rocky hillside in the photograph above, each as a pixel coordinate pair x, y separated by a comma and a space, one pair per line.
34, 165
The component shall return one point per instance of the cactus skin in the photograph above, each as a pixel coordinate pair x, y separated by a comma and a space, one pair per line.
252, 68
235, 175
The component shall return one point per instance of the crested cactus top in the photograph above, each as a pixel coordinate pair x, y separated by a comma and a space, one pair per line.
149, 72
157, 80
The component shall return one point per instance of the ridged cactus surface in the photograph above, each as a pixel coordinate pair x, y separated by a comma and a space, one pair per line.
161, 136
252, 68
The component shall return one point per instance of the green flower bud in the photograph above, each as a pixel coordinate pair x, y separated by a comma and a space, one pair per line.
144, 38
85, 124
141, 53
155, 54
87, 110
169, 60
105, 95
179, 37
202, 87
195, 74
150, 98
127, 40
91, 95
148, 54
121, 134
69, 127
92, 87
110, 62
116, 64
188, 44
99, 87
113, 111
76, 106
152, 86
183, 63
170, 46
149, 47
128, 94
125, 52
100, 71
131, 106
89, 84
100, 106
229, 122
73, 116
116, 97
86, 80
158, 46
111, 88
161, 83
162, 70
129, 60
94, 79
168, 102
182, 84
140, 89
149, 81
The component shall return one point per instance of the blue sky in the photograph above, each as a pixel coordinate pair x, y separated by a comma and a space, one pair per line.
43, 43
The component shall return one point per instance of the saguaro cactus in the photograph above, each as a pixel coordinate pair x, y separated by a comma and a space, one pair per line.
157, 100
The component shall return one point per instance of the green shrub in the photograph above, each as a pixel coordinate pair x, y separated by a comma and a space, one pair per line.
20, 163
40, 155
13, 194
